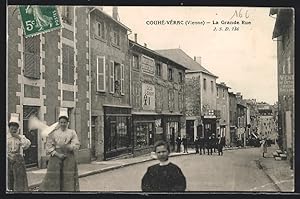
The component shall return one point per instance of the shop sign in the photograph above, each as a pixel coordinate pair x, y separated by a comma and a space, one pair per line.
147, 65
286, 84
39, 19
148, 97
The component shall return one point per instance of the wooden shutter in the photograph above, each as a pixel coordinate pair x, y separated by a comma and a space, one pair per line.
111, 79
71, 65
101, 74
122, 79
32, 57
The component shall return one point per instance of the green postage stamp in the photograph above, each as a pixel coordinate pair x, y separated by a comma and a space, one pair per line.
39, 19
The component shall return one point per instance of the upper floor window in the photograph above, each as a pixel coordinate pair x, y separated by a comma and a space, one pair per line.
117, 78
116, 37
67, 14
101, 74
32, 57
180, 77
158, 69
204, 84
68, 64
212, 86
135, 61
100, 29
223, 93
170, 74
217, 92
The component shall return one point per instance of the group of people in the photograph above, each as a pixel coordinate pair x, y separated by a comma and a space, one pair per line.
62, 171
211, 144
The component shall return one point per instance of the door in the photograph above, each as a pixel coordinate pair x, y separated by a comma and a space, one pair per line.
31, 154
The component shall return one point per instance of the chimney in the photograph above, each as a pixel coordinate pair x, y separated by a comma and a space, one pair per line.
145, 45
135, 37
115, 14
197, 59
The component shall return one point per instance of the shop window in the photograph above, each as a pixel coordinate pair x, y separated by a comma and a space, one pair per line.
119, 135
32, 57
144, 134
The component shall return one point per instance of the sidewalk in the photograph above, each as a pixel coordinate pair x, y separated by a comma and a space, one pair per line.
278, 171
36, 176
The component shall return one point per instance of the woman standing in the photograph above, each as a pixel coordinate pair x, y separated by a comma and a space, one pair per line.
62, 171
264, 146
17, 177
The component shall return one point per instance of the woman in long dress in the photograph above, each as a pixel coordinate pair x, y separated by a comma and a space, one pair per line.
62, 171
17, 177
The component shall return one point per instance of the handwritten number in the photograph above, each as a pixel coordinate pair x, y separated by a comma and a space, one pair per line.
239, 14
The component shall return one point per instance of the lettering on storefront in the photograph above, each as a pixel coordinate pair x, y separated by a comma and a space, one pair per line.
147, 65
286, 84
148, 96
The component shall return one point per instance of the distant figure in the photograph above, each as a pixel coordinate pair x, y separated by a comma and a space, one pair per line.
196, 142
178, 143
221, 144
202, 145
209, 145
264, 146
164, 176
214, 142
185, 144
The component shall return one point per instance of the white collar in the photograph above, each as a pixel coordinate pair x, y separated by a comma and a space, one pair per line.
164, 163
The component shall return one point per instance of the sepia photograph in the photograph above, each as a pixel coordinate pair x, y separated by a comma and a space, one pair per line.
150, 99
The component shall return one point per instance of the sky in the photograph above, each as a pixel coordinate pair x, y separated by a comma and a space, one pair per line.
245, 59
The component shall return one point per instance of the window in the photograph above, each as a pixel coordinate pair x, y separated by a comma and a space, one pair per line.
204, 84
180, 77
158, 69
116, 37
136, 96
135, 61
101, 74
116, 78
144, 134
68, 64
119, 136
217, 92
223, 93
171, 100
67, 15
212, 86
100, 29
32, 57
170, 74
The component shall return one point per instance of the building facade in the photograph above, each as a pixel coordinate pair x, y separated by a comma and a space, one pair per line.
158, 92
48, 72
233, 121
284, 33
200, 97
111, 128
223, 128
266, 123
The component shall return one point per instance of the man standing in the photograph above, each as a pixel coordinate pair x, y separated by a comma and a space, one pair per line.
178, 143
202, 145
185, 144
164, 176
196, 142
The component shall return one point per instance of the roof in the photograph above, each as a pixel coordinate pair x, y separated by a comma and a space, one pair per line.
222, 84
156, 53
182, 58
107, 15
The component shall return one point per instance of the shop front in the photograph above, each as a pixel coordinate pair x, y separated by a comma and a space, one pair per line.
172, 126
146, 130
117, 132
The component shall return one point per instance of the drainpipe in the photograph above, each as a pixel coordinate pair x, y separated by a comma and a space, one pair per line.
90, 80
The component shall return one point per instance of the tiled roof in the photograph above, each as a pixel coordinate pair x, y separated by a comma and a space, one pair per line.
182, 58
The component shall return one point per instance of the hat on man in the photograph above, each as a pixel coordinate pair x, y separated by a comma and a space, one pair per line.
14, 119
63, 113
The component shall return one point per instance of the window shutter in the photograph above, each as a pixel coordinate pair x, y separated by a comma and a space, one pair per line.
122, 79
112, 80
71, 65
101, 74
32, 57
165, 71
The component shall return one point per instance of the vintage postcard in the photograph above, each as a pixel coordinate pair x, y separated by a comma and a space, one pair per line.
150, 99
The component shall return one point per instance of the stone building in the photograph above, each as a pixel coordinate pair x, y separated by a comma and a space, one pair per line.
223, 128
201, 113
284, 34
158, 90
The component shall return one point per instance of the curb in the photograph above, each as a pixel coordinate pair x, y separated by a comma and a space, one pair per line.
93, 172
270, 177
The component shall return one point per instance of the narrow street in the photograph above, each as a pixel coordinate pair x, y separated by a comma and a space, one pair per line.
236, 170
